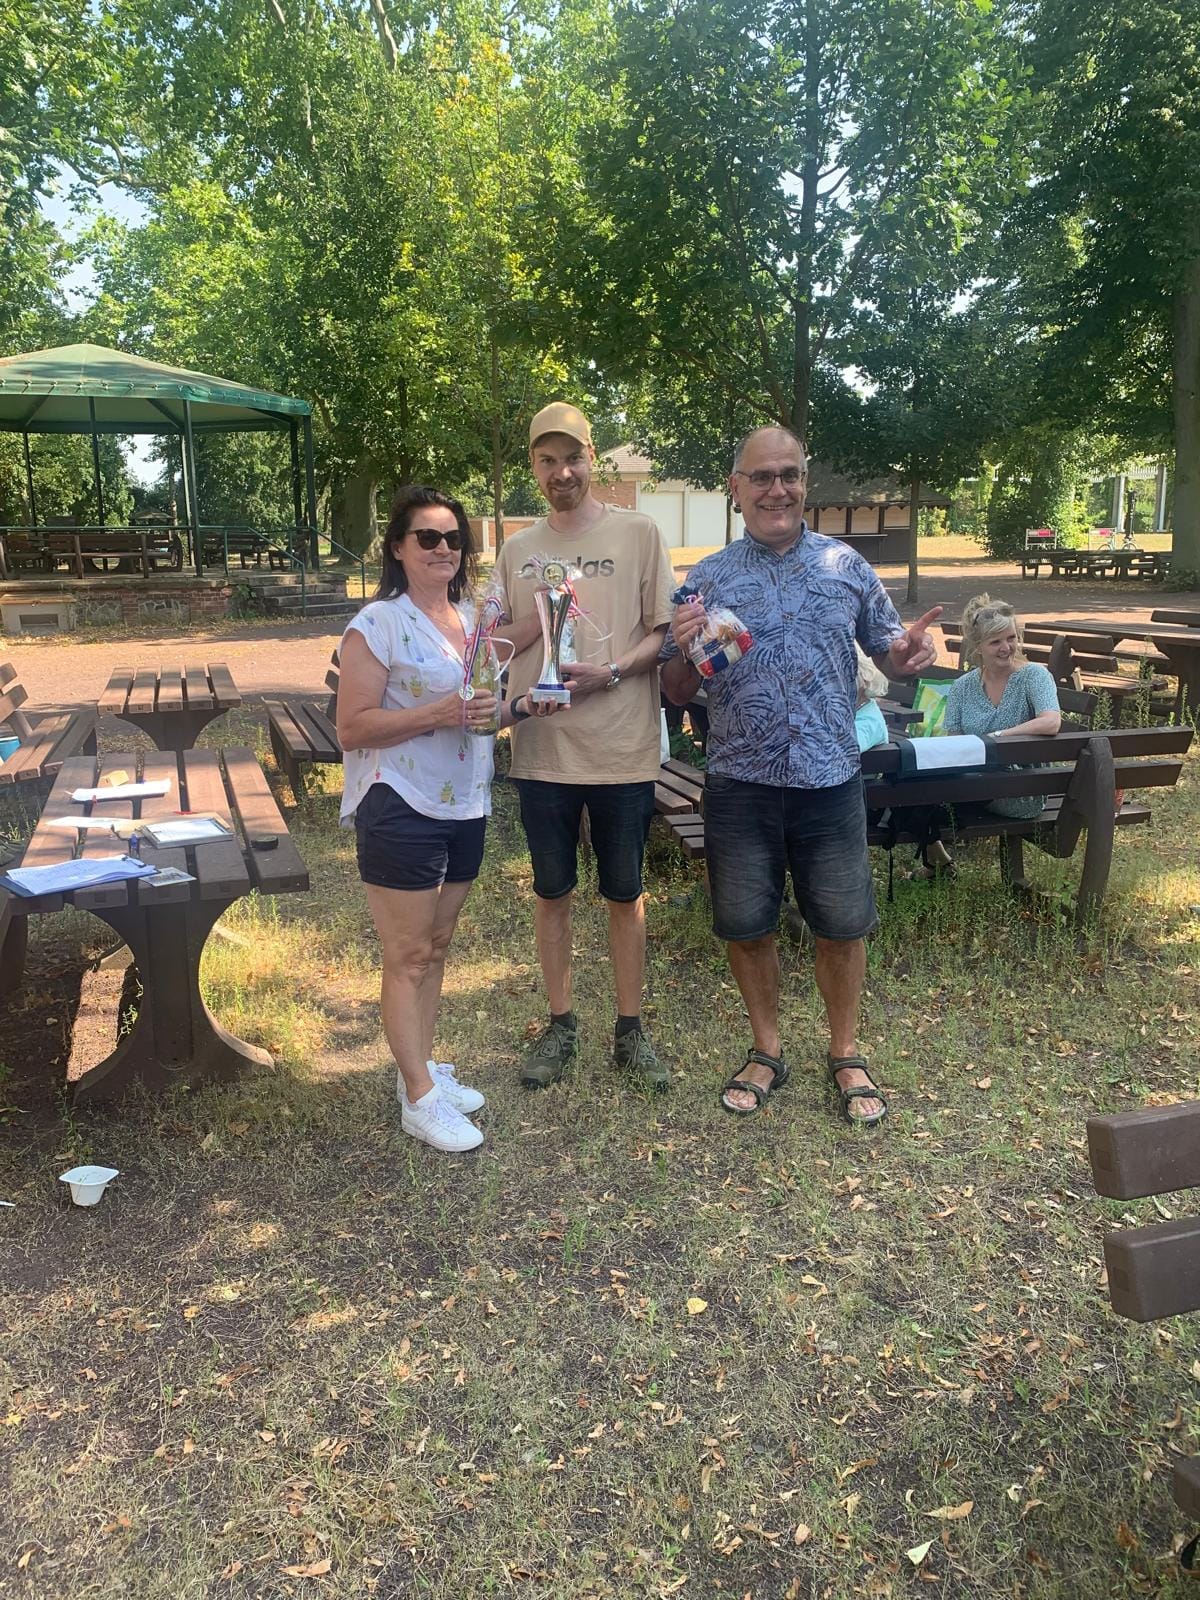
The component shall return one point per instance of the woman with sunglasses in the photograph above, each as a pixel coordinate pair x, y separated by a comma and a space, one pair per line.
418, 779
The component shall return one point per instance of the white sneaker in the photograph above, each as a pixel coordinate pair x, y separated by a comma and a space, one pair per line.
460, 1095
436, 1122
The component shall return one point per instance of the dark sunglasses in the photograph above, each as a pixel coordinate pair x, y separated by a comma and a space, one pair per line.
430, 538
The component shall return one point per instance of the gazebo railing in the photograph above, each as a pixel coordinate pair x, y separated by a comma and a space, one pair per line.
336, 549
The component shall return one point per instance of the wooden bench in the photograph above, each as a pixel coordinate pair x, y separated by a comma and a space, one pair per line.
246, 544
147, 548
306, 734
1076, 774
46, 743
1182, 619
1153, 1271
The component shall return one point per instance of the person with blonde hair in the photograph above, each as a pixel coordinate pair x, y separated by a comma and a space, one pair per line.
1003, 694
870, 685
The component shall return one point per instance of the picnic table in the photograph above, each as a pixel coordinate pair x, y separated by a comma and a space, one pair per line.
1180, 645
174, 1038
171, 704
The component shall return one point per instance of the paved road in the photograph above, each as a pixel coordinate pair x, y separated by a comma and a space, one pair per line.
291, 659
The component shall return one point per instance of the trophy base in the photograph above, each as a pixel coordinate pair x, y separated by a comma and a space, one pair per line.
549, 695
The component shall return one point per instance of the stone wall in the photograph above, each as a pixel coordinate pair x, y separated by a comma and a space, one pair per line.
131, 603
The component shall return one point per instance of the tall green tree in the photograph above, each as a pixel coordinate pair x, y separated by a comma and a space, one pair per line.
1119, 144
760, 164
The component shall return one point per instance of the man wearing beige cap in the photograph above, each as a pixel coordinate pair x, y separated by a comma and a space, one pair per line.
603, 751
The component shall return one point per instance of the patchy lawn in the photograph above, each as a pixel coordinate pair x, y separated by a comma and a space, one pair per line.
629, 1348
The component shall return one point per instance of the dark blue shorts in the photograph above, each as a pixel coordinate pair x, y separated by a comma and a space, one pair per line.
755, 833
400, 848
620, 815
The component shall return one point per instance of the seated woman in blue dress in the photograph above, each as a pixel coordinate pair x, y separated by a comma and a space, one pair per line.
1002, 694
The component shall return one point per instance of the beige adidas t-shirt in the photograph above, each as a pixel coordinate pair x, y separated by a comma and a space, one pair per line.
610, 736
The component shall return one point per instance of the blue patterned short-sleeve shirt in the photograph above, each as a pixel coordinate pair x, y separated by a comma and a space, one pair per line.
784, 713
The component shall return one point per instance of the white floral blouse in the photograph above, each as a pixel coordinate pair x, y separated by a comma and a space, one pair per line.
446, 773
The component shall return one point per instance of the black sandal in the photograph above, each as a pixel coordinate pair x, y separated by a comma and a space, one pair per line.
867, 1091
780, 1072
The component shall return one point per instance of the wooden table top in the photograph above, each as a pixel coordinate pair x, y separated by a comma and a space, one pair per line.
230, 783
198, 686
1172, 632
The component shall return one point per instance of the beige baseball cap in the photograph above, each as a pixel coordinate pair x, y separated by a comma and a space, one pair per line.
560, 418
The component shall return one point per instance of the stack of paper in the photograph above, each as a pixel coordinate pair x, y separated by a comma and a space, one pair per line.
63, 876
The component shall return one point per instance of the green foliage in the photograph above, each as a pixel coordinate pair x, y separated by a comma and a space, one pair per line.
1036, 487
63, 479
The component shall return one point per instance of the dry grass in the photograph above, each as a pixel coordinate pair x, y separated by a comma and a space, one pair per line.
630, 1348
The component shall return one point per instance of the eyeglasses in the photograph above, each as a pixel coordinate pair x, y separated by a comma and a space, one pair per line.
789, 477
430, 538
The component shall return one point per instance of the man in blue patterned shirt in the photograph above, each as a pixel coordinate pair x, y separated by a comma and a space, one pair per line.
783, 791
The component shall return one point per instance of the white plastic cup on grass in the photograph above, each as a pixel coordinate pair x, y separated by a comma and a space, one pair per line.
88, 1183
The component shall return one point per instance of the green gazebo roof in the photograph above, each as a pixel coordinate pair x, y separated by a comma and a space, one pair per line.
49, 391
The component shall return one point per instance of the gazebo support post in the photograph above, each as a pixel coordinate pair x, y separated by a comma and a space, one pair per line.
189, 487
33, 521
96, 462
298, 540
310, 479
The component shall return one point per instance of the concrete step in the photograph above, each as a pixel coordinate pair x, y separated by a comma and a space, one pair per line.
315, 608
291, 580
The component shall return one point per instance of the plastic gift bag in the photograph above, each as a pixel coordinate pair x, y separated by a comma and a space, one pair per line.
722, 640
930, 700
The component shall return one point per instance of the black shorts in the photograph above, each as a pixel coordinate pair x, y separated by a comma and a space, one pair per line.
620, 815
400, 848
755, 834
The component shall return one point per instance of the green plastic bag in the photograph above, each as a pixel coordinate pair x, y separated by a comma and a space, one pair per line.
930, 700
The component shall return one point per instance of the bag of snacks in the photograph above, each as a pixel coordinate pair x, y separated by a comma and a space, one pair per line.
722, 640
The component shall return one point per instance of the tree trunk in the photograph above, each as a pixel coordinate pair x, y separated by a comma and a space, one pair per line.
802, 355
914, 524
497, 451
1185, 544
352, 509
728, 519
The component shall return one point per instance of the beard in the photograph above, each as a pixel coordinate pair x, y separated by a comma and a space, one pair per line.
566, 498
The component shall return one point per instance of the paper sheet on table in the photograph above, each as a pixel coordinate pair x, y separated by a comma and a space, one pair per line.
121, 826
123, 791
63, 876
950, 750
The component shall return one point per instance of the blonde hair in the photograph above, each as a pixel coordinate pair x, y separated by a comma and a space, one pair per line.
982, 617
869, 683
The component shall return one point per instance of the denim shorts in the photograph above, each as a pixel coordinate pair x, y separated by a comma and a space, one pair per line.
620, 815
755, 833
401, 848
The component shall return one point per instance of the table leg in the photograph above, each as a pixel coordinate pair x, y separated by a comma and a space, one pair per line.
1185, 664
174, 1038
172, 730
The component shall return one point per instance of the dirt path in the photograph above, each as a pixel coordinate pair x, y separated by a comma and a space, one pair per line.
289, 659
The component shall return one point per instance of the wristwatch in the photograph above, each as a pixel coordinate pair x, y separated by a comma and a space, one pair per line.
614, 675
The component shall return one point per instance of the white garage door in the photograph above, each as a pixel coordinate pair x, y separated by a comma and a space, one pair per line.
666, 507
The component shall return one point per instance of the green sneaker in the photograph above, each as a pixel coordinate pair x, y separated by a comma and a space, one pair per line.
634, 1054
549, 1056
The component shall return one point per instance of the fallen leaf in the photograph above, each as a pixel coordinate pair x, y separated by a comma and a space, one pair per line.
953, 1513
983, 1083
695, 1306
802, 1534
1126, 1537
918, 1552
311, 1569
190, 1313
